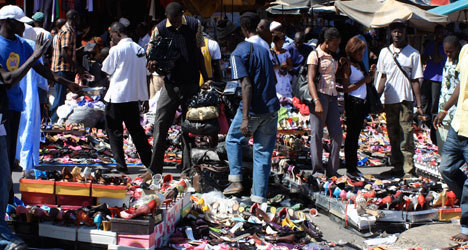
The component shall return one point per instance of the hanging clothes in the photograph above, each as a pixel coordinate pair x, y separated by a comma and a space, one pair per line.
28, 144
90, 5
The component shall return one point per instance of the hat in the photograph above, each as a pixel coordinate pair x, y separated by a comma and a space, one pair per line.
397, 23
274, 25
14, 12
38, 17
224, 28
124, 21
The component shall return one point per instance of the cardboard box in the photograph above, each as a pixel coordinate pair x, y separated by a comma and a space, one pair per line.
48, 230
117, 247
135, 240
92, 235
109, 191
133, 226
37, 186
72, 188
32, 198
448, 214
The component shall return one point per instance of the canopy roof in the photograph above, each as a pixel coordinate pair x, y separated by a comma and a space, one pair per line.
379, 14
456, 11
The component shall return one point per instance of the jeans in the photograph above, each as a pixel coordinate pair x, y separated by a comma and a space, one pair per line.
61, 93
455, 154
331, 117
129, 112
400, 132
6, 237
172, 96
12, 127
356, 111
263, 128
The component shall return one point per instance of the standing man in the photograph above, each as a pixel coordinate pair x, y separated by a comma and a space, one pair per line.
126, 66
299, 51
38, 19
257, 115
180, 85
455, 152
434, 58
64, 61
401, 73
17, 58
263, 30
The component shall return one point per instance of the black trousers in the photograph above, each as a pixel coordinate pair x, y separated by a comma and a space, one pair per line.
356, 111
128, 112
430, 94
172, 96
12, 127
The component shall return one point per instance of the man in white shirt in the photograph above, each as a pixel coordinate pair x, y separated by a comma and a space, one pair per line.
401, 73
126, 67
38, 19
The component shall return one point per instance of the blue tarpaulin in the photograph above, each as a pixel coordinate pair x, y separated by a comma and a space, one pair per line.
456, 11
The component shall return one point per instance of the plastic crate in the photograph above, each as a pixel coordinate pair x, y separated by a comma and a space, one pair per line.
73, 188
37, 186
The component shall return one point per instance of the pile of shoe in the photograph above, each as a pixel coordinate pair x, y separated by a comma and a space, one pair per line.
368, 193
216, 220
426, 157
78, 175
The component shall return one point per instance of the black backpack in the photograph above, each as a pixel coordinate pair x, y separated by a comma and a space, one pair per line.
300, 87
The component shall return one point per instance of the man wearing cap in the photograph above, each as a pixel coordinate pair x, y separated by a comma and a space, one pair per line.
180, 84
401, 72
64, 61
278, 27
38, 19
16, 58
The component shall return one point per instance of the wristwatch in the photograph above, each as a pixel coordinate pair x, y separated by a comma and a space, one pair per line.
315, 100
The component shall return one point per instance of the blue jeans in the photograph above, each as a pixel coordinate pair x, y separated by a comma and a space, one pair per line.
264, 129
454, 155
61, 93
6, 237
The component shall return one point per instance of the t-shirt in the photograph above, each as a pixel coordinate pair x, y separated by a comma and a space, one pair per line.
356, 76
215, 51
433, 71
13, 53
40, 30
398, 88
260, 70
126, 64
460, 119
327, 68
298, 55
258, 40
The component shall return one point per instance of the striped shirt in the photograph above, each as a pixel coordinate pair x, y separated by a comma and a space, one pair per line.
66, 39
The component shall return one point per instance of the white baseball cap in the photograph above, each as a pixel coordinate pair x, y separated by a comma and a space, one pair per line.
14, 12
274, 25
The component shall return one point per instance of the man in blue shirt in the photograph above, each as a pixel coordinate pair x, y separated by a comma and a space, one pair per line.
299, 51
257, 115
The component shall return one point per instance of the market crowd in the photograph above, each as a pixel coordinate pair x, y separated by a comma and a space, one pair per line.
176, 58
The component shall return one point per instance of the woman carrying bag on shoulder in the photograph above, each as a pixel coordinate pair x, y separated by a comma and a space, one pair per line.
355, 82
322, 68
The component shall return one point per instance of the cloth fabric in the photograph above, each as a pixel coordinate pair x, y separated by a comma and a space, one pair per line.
208, 54
430, 94
460, 119
283, 85
260, 70
13, 53
400, 132
29, 32
331, 116
66, 40
327, 68
60, 95
298, 55
40, 30
171, 97
126, 65
356, 111
397, 87
433, 71
455, 155
356, 76
27, 147
129, 113
263, 128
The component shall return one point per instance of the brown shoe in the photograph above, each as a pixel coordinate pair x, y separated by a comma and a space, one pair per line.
234, 188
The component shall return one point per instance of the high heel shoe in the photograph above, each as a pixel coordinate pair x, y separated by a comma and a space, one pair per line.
66, 174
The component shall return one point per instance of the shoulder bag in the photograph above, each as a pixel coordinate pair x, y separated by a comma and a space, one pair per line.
300, 86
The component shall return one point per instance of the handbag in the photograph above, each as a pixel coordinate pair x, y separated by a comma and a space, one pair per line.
210, 175
300, 86
204, 98
202, 113
373, 100
165, 53
205, 128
